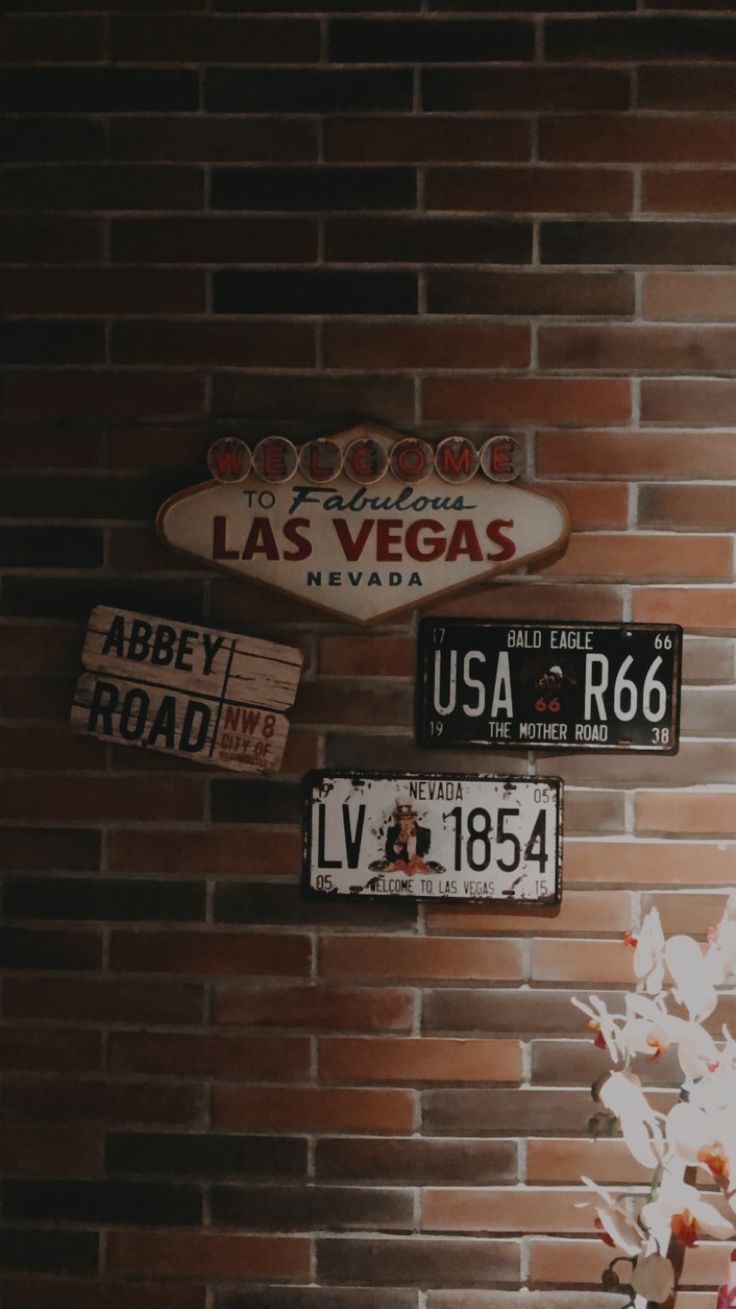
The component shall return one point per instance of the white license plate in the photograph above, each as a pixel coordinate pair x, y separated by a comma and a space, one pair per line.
433, 836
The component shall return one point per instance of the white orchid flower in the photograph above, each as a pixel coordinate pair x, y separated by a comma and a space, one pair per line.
700, 1137
690, 974
649, 954
653, 1278
616, 1227
682, 1209
721, 953
622, 1093
696, 1049
603, 1023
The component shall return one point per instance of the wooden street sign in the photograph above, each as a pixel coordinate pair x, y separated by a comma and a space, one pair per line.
213, 697
548, 685
367, 522
433, 836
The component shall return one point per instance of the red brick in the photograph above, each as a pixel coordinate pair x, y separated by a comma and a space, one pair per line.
381, 656
418, 957
707, 813
529, 399
520, 600
430, 1059
686, 506
689, 191
581, 961
481, 292
417, 1260
211, 953
505, 1210
327, 699
426, 345
580, 912
102, 290
694, 913
214, 38
304, 1108
574, 1262
690, 297
23, 747
679, 86
530, 190
50, 848
637, 348
698, 402
635, 138
710, 609
563, 1160
636, 557
209, 1254
589, 504
259, 1057
240, 853
351, 1009
101, 798
426, 139
104, 392
664, 455
642, 863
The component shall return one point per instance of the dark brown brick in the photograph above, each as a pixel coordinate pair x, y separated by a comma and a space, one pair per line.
306, 1208
266, 1057
637, 348
112, 899
99, 1293
682, 508
560, 1063
104, 186
59, 1150
41, 597
689, 191
420, 140
44, 547
433, 41
211, 953
530, 190
214, 239
242, 903
48, 1252
640, 38
98, 1000
313, 1297
52, 139
334, 1109
144, 1203
685, 87
428, 240
211, 39
536, 1112
329, 1008
638, 243
101, 291
354, 703
331, 291
421, 1261
310, 91
50, 240
98, 393
33, 445
211, 1255
54, 40
320, 188
635, 138
335, 401
270, 345
424, 344
68, 1099
25, 947
530, 293
528, 399
698, 402
508, 1012
216, 852
101, 798
102, 90
424, 1161
58, 848
45, 1049
217, 138
212, 1155
542, 89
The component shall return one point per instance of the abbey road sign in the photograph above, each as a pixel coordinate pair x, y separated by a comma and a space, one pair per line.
549, 686
212, 697
433, 836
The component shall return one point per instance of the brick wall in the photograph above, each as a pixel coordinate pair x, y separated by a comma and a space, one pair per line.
225, 218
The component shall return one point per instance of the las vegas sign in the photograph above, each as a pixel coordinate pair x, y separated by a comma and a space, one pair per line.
367, 522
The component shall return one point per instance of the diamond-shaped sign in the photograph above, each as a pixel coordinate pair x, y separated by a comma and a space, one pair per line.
346, 533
